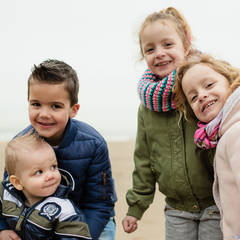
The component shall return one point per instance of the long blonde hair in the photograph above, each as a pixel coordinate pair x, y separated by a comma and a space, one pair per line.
231, 73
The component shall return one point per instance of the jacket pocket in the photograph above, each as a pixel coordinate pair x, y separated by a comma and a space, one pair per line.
104, 182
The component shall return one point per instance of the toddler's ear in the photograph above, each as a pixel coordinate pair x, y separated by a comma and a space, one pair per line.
15, 181
74, 110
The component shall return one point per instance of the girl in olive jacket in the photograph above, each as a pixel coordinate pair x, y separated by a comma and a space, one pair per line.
165, 152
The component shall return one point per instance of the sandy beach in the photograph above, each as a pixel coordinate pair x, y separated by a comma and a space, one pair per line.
151, 227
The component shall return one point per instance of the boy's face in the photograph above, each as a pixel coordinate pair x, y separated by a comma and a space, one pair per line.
206, 91
50, 110
37, 174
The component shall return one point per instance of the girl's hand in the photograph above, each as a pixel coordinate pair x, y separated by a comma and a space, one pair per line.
9, 235
129, 224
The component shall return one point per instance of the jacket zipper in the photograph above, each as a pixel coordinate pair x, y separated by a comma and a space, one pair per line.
20, 220
104, 184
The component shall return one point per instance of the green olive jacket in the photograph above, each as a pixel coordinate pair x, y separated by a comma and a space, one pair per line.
166, 154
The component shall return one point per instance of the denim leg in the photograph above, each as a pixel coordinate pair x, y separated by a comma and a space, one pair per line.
180, 225
109, 231
209, 225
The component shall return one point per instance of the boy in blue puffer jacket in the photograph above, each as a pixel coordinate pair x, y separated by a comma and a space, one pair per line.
53, 103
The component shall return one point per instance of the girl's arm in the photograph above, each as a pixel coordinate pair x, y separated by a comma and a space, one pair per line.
142, 193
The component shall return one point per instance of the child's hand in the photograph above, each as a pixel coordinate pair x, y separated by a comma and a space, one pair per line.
129, 224
9, 235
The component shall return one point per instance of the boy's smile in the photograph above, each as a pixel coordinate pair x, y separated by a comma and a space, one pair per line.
49, 110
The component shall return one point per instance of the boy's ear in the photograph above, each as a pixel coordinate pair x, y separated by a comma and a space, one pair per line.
15, 181
74, 110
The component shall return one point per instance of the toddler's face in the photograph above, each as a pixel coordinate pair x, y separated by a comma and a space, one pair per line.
50, 110
206, 91
162, 47
38, 174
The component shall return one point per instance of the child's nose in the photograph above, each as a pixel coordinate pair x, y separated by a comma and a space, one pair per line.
160, 52
49, 176
202, 96
44, 112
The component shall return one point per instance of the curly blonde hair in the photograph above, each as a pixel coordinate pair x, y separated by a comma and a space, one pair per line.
231, 73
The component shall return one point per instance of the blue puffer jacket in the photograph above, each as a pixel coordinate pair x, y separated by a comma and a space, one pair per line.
83, 152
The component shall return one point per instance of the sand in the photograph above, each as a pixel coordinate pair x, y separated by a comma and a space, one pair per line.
151, 227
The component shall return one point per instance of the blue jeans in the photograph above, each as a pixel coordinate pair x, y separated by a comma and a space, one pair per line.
204, 225
109, 230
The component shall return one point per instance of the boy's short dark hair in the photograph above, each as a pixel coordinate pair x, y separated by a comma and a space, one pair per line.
53, 71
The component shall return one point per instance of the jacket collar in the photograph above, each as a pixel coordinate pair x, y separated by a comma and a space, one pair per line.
69, 134
66, 186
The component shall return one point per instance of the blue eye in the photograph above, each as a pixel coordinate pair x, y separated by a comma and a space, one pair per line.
53, 167
38, 172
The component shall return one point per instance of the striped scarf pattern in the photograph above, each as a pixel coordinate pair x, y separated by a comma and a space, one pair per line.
155, 92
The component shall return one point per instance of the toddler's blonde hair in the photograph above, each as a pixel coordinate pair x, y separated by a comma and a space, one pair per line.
19, 145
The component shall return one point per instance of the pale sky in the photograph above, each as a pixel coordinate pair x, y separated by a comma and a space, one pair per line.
99, 40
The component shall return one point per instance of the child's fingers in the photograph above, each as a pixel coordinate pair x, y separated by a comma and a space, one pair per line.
9, 235
14, 236
134, 227
131, 228
127, 226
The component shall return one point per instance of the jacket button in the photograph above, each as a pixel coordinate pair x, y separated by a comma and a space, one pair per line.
195, 206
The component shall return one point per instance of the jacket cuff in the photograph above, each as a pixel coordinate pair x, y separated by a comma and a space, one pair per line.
4, 228
135, 211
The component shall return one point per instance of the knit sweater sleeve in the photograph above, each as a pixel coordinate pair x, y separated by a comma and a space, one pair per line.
141, 195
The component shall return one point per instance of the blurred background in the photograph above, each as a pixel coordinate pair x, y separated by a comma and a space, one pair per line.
99, 39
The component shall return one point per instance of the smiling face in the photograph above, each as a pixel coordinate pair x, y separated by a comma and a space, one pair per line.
162, 47
206, 91
37, 173
50, 110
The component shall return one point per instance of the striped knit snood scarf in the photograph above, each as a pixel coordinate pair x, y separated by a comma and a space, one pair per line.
155, 92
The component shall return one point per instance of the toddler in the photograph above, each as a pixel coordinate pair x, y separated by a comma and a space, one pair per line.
34, 198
